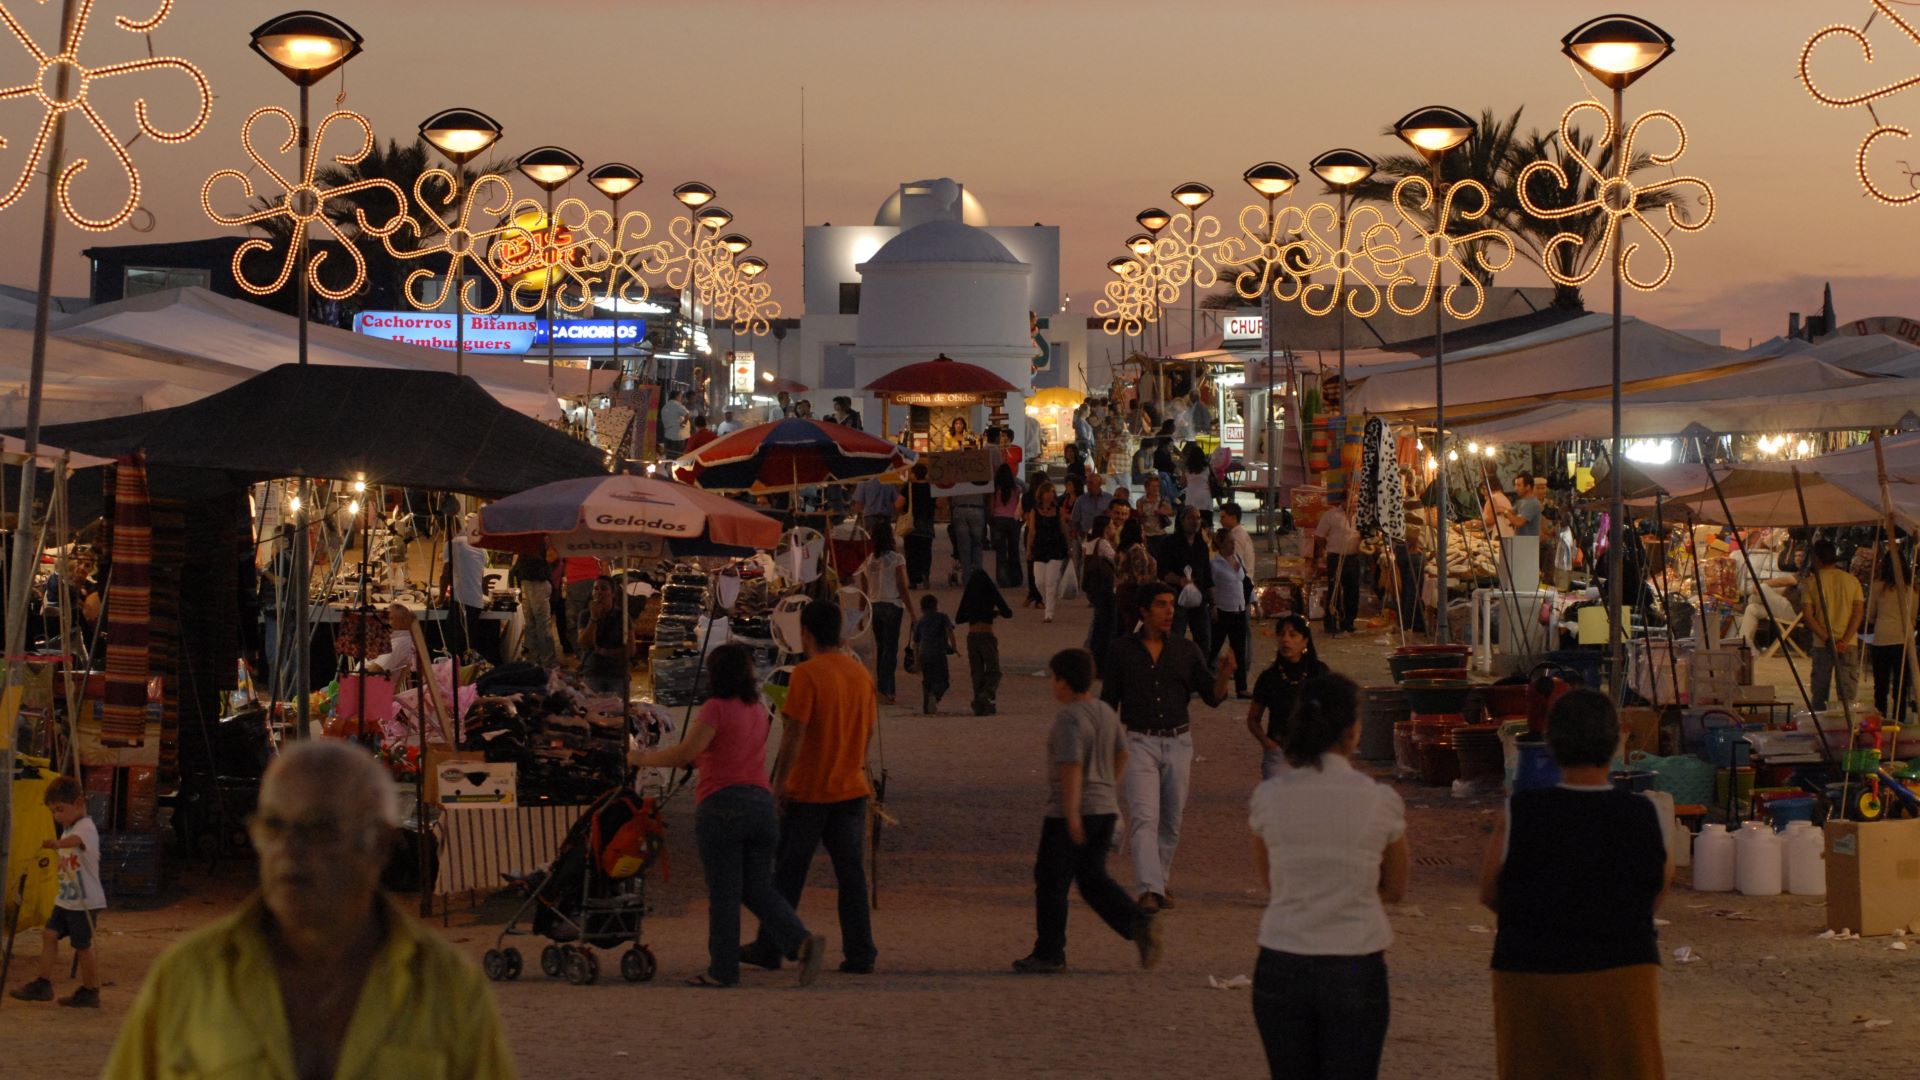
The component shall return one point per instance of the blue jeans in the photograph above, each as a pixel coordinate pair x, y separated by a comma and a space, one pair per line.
735, 830
1323, 1017
842, 828
886, 644
969, 539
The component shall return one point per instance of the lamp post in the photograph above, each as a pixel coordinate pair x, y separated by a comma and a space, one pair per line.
460, 135
704, 274
1616, 50
550, 168
1193, 195
1340, 170
1153, 220
1432, 132
614, 180
1270, 180
305, 46
693, 195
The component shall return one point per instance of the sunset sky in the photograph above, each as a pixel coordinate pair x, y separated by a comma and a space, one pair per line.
1067, 112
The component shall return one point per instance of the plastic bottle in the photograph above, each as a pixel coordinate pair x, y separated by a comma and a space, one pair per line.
1806, 859
1759, 860
1713, 859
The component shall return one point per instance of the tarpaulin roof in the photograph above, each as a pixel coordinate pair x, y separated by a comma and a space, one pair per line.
417, 429
1570, 360
85, 381
1841, 488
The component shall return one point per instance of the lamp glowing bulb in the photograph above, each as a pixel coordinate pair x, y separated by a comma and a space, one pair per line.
1453, 455
293, 504
1473, 447
359, 486
353, 507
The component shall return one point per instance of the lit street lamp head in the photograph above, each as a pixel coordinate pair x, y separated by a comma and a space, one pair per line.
460, 134
306, 46
1140, 244
550, 167
615, 179
753, 266
1434, 130
1617, 49
1341, 169
1192, 195
1153, 220
735, 243
1270, 179
693, 194
1121, 265
714, 218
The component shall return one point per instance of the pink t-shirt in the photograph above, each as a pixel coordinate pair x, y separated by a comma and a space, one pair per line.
738, 752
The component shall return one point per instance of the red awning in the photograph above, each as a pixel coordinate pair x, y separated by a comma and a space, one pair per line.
942, 375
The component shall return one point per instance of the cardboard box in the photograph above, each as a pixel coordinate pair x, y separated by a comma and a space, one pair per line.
1642, 728
492, 785
1873, 875
439, 754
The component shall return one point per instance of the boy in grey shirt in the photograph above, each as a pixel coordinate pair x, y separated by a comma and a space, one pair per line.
1086, 750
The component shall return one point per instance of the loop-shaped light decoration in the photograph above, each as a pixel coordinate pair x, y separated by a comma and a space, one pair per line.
620, 244
1192, 252
1322, 246
1865, 98
460, 239
52, 68
303, 202
1436, 245
693, 254
1616, 196
557, 258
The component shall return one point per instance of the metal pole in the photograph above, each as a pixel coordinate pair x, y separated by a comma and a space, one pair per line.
1273, 450
23, 560
552, 265
1441, 622
302, 554
459, 315
1340, 308
1616, 531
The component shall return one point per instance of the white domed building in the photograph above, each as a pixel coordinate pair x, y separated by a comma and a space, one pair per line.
930, 277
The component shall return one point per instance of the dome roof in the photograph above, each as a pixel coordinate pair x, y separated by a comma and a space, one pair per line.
942, 242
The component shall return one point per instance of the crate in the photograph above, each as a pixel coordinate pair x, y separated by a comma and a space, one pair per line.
131, 863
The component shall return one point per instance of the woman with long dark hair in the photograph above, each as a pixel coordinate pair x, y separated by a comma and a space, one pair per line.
1278, 688
1047, 545
734, 823
1134, 566
1185, 559
1331, 844
1196, 478
1004, 514
1891, 611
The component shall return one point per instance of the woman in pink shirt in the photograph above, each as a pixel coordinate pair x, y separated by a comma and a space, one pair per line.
733, 820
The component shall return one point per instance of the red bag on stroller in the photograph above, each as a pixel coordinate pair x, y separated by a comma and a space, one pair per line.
626, 835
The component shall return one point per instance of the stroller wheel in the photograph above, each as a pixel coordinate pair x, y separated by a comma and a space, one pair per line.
494, 964
553, 961
637, 964
582, 968
512, 956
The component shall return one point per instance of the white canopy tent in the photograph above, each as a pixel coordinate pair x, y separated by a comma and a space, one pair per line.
1841, 488
195, 328
1870, 354
1570, 360
85, 381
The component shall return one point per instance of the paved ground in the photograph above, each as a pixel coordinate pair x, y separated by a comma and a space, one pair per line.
1766, 999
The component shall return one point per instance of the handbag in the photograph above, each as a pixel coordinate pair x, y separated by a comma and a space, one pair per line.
911, 660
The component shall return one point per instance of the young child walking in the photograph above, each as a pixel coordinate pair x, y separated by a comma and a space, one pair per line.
980, 604
1086, 751
79, 902
933, 643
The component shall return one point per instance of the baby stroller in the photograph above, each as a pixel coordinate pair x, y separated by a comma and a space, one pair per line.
593, 895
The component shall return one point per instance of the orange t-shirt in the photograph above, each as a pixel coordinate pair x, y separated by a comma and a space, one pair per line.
831, 698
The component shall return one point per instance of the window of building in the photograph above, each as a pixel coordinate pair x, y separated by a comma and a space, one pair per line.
849, 298
141, 280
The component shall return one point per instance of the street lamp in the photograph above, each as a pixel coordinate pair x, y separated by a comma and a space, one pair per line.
1432, 132
615, 180
550, 168
1340, 170
305, 46
1269, 180
460, 135
1193, 195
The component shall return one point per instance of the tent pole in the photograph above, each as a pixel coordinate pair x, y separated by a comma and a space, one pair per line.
1666, 602
1846, 706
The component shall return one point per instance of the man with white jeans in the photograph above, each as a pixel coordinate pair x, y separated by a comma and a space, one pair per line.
1149, 678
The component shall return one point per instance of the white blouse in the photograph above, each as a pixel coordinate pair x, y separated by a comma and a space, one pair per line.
1325, 830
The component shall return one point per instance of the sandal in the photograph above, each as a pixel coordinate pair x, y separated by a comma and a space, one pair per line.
708, 982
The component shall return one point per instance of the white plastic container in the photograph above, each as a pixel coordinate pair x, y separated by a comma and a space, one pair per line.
1806, 859
1677, 839
1759, 860
1713, 859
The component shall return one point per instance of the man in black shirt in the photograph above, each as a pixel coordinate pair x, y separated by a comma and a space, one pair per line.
1149, 677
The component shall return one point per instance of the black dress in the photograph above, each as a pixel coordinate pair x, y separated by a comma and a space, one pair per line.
1049, 539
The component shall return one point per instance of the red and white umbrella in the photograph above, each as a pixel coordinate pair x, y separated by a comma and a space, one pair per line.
625, 515
786, 454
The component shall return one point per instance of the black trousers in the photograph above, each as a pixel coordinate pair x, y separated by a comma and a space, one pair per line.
1890, 681
1343, 591
841, 828
1060, 865
1323, 1017
919, 550
1230, 628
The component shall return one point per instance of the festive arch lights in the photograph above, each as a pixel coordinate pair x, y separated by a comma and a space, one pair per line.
1865, 98
459, 239
1617, 196
304, 203
61, 85
1321, 246
550, 257
621, 244
1437, 247
1190, 252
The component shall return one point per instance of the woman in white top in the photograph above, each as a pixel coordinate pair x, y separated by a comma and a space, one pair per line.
1892, 614
1181, 413
883, 577
1230, 607
1197, 482
1331, 844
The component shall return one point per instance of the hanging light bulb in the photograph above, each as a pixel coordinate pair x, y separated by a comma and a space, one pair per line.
1473, 447
353, 508
359, 487
1453, 455
293, 504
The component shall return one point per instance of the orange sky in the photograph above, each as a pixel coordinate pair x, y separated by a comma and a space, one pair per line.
1067, 112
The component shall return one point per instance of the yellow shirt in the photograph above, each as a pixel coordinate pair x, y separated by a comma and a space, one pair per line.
1833, 595
211, 1007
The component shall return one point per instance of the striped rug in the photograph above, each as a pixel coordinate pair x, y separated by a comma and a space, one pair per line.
129, 606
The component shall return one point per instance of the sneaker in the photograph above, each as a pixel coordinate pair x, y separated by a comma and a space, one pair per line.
848, 967
1147, 936
754, 955
86, 997
37, 990
1034, 965
813, 952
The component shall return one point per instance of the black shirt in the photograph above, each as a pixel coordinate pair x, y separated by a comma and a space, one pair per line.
1277, 689
608, 633
1152, 698
1576, 892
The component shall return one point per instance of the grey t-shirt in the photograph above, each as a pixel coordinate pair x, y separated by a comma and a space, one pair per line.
1086, 733
1528, 508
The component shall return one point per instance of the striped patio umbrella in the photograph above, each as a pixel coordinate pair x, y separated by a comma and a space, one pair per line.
786, 454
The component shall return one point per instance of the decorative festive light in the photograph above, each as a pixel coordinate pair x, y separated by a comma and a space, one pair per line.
56, 68
752, 307
556, 258
692, 254
1617, 49
621, 244
459, 239
615, 180
304, 203
1437, 246
1321, 247
1191, 252
1618, 197
1880, 130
